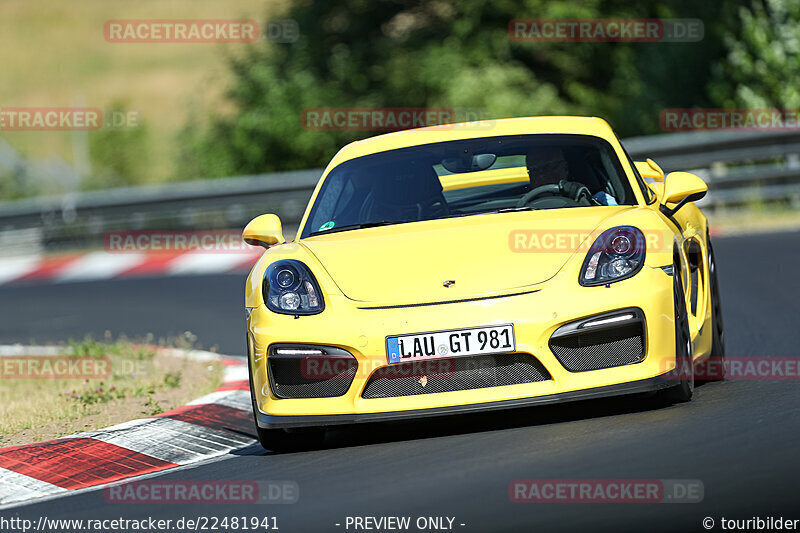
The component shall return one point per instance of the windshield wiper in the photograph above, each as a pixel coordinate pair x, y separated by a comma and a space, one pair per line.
353, 226
512, 209
489, 212
502, 210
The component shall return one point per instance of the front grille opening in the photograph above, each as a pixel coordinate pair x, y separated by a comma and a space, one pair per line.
326, 375
606, 348
454, 374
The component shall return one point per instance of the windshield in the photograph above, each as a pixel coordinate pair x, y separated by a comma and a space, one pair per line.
469, 177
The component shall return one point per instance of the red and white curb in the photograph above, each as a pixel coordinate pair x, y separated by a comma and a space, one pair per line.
211, 426
100, 265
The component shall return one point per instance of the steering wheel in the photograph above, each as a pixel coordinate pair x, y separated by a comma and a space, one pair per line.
569, 189
529, 196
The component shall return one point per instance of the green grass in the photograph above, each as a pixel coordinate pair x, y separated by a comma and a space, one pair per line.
757, 216
142, 382
56, 55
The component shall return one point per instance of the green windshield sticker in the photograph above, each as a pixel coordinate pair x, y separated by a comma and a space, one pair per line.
327, 225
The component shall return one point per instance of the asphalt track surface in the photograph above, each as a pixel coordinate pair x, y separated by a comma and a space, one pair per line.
740, 438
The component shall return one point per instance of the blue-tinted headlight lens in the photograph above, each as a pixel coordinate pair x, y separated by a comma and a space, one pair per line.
617, 254
286, 278
290, 288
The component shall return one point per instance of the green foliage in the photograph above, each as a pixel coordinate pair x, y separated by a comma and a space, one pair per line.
172, 380
454, 54
144, 390
152, 407
91, 347
13, 184
95, 394
763, 57
119, 152
88, 347
443, 53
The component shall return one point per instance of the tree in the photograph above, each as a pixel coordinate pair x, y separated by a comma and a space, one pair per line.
442, 53
762, 67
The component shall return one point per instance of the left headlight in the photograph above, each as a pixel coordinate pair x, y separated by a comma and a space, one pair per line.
617, 254
289, 288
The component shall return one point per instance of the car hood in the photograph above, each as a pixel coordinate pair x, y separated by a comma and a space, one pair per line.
483, 254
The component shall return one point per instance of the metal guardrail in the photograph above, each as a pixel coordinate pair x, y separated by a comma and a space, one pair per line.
693, 150
739, 167
82, 219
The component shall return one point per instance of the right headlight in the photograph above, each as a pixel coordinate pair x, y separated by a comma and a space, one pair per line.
289, 288
617, 254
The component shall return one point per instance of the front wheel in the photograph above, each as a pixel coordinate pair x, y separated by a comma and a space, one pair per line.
684, 367
713, 369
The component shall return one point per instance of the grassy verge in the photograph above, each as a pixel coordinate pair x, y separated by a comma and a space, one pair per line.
57, 57
756, 218
137, 381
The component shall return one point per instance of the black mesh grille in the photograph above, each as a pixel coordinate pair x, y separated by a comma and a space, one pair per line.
311, 377
695, 274
600, 349
448, 375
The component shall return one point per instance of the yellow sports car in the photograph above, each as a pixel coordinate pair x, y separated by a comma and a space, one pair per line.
479, 266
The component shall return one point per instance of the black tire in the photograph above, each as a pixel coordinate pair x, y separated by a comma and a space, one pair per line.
684, 368
282, 440
713, 369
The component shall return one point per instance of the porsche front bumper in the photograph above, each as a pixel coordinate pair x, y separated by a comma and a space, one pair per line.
288, 421
361, 330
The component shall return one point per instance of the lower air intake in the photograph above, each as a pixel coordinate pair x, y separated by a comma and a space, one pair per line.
605, 348
303, 375
457, 374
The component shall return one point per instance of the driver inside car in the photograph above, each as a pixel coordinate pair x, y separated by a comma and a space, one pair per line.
547, 166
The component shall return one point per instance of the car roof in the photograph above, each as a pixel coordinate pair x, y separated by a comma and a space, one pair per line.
470, 130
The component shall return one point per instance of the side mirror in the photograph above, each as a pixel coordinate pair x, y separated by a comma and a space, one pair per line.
650, 169
681, 187
264, 230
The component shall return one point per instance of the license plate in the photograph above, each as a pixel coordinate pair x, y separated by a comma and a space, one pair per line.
451, 343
